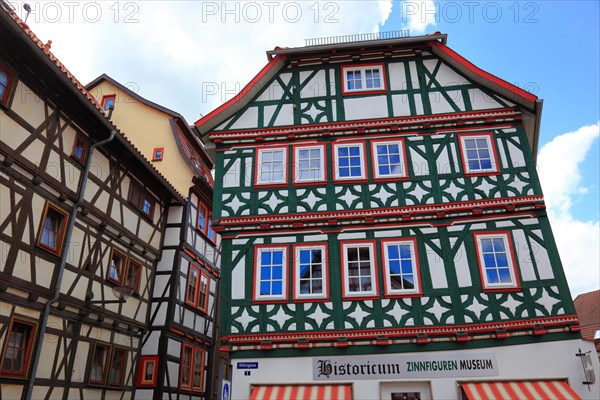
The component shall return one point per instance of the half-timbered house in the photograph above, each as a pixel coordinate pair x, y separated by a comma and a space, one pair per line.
384, 231
177, 356
82, 217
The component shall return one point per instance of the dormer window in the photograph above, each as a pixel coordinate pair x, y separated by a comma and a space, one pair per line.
108, 101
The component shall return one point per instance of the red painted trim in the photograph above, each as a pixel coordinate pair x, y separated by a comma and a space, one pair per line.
246, 91
141, 381
324, 246
256, 280
486, 75
257, 166
512, 261
493, 152
195, 287
60, 235
374, 270
346, 92
23, 372
378, 123
295, 149
190, 367
374, 163
9, 83
155, 151
416, 269
204, 307
107, 97
361, 144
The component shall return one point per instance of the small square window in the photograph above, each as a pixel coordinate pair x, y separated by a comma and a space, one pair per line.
363, 79
52, 231
116, 267
359, 271
389, 161
17, 349
158, 153
310, 272
108, 101
6, 82
401, 268
309, 164
349, 161
148, 372
270, 273
478, 154
271, 166
80, 148
496, 261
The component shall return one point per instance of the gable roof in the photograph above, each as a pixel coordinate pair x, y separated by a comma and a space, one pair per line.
435, 42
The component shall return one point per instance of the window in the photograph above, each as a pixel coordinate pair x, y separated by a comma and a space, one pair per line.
6, 80
17, 348
158, 153
389, 159
270, 273
53, 228
478, 153
210, 232
349, 161
107, 365
116, 266
203, 223
271, 166
141, 200
198, 286
358, 262
108, 101
364, 78
191, 374
202, 212
310, 272
80, 148
134, 272
309, 164
496, 261
148, 371
401, 267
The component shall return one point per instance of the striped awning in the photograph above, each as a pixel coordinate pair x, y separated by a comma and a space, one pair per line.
301, 392
522, 390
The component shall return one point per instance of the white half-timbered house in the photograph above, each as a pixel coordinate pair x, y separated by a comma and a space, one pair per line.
384, 232
82, 222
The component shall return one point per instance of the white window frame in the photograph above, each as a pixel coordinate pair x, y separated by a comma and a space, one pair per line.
403, 172
415, 268
257, 270
373, 271
363, 167
324, 280
363, 77
297, 160
514, 283
259, 165
490, 148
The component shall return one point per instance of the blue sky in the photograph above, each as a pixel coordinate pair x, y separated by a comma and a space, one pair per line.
191, 56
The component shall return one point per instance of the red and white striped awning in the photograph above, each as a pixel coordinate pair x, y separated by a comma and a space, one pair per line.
522, 390
301, 392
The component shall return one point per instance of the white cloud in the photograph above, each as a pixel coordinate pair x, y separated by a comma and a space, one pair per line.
578, 241
418, 15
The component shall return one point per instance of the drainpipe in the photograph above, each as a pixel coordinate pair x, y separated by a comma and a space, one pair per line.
63, 262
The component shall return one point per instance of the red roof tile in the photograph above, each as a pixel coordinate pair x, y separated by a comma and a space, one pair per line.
587, 306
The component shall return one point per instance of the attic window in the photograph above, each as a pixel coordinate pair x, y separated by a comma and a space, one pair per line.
108, 101
363, 79
158, 153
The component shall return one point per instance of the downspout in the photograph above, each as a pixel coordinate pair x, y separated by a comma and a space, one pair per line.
63, 262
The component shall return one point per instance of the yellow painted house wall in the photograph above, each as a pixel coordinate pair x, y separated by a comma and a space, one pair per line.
148, 128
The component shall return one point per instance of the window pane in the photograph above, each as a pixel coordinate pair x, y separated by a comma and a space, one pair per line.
198, 367
271, 272
186, 364
115, 375
149, 373
98, 364
359, 269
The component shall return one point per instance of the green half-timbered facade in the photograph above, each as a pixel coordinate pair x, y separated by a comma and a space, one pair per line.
379, 198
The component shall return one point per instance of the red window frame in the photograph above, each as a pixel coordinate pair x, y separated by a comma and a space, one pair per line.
122, 362
256, 297
80, 142
144, 362
296, 164
191, 369
158, 153
346, 294
204, 214
105, 99
104, 365
512, 262
493, 153
59, 231
137, 266
194, 286
26, 347
375, 160
362, 67
351, 179
9, 83
123, 264
258, 166
389, 292
138, 196
297, 296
